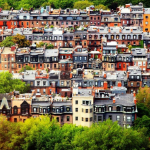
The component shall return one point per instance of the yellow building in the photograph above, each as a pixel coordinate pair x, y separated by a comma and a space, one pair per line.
146, 20
82, 103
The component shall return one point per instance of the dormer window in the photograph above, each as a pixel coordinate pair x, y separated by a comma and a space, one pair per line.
34, 110
105, 19
110, 108
115, 19
67, 109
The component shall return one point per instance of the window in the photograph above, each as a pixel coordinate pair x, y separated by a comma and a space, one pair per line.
131, 83
118, 118
34, 110
86, 111
91, 110
57, 119
76, 102
99, 118
110, 108
38, 83
44, 82
15, 119
68, 109
110, 117
76, 109
146, 22
84, 58
91, 119
82, 118
44, 91
128, 119
146, 17
68, 118
76, 118
86, 119
138, 84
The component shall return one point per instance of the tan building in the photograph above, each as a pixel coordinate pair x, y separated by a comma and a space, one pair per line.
82, 103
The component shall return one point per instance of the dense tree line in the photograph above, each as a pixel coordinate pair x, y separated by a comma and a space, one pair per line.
27, 4
41, 133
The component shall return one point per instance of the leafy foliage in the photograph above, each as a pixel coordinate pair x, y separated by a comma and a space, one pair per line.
143, 96
27, 4
7, 42
26, 68
41, 133
40, 44
21, 40
50, 46
7, 84
82, 4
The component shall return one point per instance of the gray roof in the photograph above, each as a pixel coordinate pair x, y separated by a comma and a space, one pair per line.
125, 100
58, 104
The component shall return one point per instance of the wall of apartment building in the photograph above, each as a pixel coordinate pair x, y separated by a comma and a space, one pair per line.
108, 66
63, 118
142, 65
83, 108
122, 121
133, 87
122, 66
8, 62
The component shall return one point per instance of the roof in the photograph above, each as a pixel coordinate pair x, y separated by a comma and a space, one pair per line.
7, 50
51, 52
125, 100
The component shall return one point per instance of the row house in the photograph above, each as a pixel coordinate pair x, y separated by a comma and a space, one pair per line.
139, 58
123, 61
132, 15
134, 76
121, 108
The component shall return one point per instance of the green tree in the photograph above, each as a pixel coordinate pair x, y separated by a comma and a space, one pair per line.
101, 6
7, 133
8, 84
26, 68
7, 42
21, 40
82, 4
130, 47
143, 122
109, 135
41, 44
143, 96
142, 110
50, 46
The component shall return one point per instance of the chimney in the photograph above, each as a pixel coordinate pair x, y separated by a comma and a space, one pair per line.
134, 94
105, 85
114, 101
135, 100
105, 75
119, 84
71, 75
13, 48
